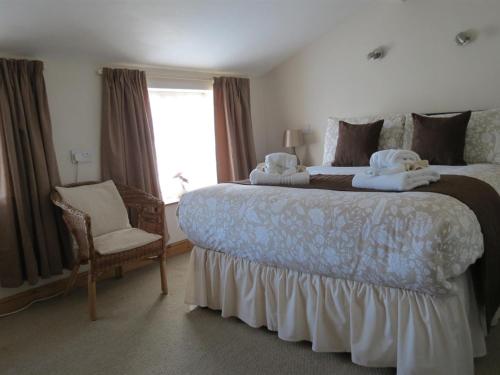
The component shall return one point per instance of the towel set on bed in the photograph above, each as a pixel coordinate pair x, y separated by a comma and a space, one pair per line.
395, 170
279, 169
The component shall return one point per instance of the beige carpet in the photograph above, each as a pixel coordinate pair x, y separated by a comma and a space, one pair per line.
140, 332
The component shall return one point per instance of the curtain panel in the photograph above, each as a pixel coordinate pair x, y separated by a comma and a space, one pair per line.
234, 144
32, 241
128, 153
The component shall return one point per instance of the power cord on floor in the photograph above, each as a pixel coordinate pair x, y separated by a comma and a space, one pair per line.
31, 303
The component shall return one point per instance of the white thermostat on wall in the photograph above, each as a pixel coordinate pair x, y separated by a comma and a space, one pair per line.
78, 157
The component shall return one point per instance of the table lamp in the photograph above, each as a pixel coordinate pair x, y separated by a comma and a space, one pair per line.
293, 138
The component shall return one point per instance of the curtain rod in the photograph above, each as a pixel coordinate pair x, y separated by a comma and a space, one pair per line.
166, 76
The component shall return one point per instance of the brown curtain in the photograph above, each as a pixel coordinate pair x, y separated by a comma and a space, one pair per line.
128, 153
235, 150
31, 243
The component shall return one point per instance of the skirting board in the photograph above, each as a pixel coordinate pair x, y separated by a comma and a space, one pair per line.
22, 299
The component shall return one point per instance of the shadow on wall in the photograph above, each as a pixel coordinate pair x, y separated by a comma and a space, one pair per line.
311, 138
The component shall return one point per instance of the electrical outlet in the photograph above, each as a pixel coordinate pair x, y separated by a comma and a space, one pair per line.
78, 157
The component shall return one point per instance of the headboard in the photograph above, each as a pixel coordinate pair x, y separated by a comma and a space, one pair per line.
451, 113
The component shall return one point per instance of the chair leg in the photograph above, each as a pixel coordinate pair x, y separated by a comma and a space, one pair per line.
92, 294
163, 273
72, 279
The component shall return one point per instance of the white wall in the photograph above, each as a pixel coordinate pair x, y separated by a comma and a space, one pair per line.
74, 93
424, 70
267, 128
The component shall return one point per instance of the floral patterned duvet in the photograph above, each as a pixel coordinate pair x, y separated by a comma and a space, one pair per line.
412, 240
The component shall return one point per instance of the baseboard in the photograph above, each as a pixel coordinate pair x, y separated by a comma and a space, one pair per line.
22, 299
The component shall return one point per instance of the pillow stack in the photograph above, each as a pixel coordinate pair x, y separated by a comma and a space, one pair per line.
482, 138
390, 136
452, 139
356, 143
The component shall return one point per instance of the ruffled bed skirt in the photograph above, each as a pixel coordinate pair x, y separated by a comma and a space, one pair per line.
380, 326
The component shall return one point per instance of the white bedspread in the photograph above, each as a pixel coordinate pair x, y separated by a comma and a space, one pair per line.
412, 240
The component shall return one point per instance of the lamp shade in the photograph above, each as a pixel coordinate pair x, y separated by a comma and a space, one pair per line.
293, 138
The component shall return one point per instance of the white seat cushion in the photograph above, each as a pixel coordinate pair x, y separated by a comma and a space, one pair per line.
102, 202
123, 240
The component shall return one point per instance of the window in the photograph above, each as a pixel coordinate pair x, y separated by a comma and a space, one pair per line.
183, 122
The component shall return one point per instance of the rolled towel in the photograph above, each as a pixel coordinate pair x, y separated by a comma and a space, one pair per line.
281, 163
257, 177
403, 167
403, 181
416, 165
392, 158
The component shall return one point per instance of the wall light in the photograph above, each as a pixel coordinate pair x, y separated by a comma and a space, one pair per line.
377, 54
465, 37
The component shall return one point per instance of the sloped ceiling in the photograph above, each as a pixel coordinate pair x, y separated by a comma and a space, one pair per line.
237, 36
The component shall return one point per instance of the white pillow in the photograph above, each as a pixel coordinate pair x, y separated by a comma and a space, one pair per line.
391, 135
102, 202
482, 140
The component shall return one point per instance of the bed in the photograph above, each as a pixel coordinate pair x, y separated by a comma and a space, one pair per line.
384, 276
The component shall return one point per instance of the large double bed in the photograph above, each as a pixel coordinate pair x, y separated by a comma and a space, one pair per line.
384, 276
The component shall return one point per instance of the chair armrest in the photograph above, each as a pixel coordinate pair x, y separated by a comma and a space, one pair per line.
78, 224
150, 210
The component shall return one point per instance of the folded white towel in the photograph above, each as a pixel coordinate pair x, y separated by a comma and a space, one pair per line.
258, 177
403, 181
385, 171
280, 171
392, 158
281, 163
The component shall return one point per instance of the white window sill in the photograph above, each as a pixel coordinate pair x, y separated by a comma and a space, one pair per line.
171, 201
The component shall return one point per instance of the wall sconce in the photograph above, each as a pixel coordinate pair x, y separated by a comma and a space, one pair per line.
377, 54
465, 37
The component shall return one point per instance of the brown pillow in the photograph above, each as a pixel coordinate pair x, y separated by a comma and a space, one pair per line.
441, 140
356, 143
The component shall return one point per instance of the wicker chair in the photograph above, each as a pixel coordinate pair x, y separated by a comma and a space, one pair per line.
150, 218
